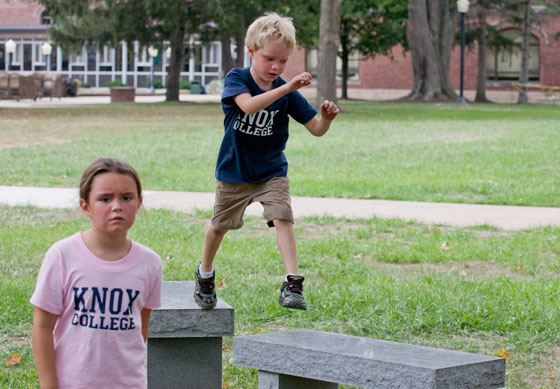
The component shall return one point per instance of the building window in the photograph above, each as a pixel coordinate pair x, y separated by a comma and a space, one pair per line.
45, 17
505, 63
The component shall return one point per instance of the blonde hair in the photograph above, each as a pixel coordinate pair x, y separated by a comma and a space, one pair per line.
271, 26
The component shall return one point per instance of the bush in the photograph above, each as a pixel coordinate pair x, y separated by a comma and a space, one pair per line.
157, 84
116, 83
185, 84
85, 85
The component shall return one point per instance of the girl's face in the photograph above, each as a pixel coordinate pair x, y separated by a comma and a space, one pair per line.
113, 203
269, 62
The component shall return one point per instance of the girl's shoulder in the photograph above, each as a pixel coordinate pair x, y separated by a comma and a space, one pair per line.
147, 252
64, 244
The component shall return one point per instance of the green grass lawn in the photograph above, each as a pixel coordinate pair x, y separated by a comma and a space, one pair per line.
385, 279
488, 154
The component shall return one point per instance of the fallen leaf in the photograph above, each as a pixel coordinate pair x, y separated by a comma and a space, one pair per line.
502, 353
551, 376
225, 385
463, 273
226, 348
445, 247
520, 267
438, 230
429, 229
222, 284
13, 360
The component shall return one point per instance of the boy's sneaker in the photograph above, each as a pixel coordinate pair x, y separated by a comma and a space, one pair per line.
291, 293
204, 290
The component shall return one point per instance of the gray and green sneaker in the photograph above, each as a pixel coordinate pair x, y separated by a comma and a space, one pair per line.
291, 293
204, 290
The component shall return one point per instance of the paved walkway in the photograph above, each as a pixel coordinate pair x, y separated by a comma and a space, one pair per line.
101, 96
506, 217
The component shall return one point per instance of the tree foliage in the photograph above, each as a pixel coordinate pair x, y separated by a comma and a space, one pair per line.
370, 27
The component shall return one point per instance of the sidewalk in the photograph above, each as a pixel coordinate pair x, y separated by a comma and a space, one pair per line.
101, 96
460, 215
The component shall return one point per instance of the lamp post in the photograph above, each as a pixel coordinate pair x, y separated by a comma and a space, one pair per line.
46, 49
10, 49
152, 52
463, 8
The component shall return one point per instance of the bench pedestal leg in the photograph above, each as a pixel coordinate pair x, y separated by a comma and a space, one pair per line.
185, 363
268, 380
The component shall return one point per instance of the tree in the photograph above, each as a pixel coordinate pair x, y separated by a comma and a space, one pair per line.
329, 32
370, 27
431, 32
232, 19
481, 12
488, 36
110, 21
524, 74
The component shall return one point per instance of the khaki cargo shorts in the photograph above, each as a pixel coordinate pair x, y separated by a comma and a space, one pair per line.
232, 200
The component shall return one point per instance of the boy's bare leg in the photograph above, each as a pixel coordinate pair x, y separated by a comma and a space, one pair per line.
204, 287
291, 293
212, 243
286, 240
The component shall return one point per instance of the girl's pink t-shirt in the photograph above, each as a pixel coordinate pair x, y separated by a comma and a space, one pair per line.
98, 335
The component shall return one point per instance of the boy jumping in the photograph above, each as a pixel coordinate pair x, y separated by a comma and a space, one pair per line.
251, 163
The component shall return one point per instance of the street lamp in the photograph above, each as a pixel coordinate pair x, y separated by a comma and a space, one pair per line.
10, 49
463, 8
152, 52
46, 49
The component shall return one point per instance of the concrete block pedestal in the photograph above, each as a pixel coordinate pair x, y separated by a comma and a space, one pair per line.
185, 342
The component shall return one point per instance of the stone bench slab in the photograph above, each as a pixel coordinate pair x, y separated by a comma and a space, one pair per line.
180, 317
337, 358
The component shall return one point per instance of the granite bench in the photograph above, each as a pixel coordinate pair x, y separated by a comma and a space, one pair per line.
299, 359
185, 342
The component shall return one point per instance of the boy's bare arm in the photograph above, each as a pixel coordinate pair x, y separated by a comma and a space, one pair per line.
253, 104
43, 348
319, 127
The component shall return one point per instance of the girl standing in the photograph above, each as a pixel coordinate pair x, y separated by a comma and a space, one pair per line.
96, 289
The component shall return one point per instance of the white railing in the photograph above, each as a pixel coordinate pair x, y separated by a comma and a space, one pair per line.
99, 66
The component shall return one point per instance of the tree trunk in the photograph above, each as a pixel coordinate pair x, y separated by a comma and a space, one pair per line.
329, 33
177, 42
482, 73
431, 32
524, 75
227, 60
344, 56
240, 40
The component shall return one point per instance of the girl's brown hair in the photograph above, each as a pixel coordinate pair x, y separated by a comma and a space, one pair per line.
106, 165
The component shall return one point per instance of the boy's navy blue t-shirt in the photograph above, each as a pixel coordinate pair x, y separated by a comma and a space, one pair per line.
253, 146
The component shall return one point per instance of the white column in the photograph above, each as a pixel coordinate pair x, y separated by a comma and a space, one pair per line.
96, 65
124, 69
191, 60
58, 59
